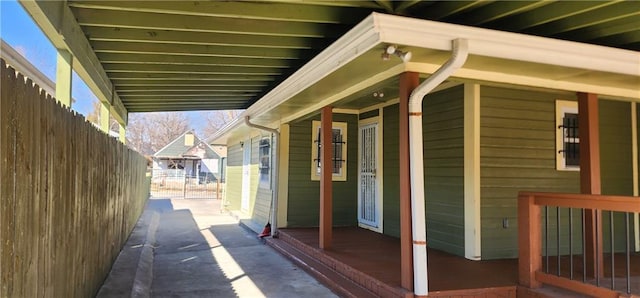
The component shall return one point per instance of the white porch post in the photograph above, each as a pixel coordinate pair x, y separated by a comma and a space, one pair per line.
472, 227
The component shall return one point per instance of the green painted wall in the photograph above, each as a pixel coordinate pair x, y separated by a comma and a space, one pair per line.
303, 207
260, 195
391, 172
233, 184
517, 148
615, 164
443, 137
444, 170
518, 153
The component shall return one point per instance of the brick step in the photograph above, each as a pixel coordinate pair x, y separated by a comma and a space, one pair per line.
335, 281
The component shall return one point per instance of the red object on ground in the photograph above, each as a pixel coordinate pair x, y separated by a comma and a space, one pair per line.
266, 231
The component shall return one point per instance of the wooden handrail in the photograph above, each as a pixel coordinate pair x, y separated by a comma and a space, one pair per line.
530, 234
597, 202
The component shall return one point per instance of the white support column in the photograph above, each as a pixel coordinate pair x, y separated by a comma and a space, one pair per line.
122, 133
64, 76
104, 118
472, 226
634, 166
283, 181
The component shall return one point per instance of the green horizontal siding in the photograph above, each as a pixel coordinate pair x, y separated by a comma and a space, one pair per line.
260, 196
233, 187
615, 164
303, 207
518, 154
391, 171
517, 148
443, 140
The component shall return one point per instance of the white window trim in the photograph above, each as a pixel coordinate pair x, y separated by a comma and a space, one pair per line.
315, 176
562, 107
264, 184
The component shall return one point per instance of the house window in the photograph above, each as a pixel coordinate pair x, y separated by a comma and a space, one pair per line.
567, 137
338, 151
264, 156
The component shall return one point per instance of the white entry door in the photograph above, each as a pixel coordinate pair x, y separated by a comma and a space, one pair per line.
369, 196
246, 175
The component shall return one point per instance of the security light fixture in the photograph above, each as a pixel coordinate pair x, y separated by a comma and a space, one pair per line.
393, 50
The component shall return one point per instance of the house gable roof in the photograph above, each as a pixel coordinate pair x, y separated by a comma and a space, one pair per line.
178, 149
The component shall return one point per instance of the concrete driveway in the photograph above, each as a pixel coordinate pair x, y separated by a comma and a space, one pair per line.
188, 248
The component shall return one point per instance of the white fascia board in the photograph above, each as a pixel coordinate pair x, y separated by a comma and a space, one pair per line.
354, 43
507, 45
381, 28
57, 22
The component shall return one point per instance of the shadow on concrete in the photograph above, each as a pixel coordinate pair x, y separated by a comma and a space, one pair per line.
183, 248
184, 265
262, 272
159, 205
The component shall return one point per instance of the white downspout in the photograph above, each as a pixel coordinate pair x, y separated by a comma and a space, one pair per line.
458, 58
274, 177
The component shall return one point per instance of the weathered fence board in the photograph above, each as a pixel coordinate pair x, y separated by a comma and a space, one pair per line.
69, 195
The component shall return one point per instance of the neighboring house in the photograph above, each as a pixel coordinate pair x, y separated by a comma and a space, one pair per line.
500, 118
191, 156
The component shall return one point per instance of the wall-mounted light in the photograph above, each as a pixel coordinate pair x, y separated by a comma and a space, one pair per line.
393, 50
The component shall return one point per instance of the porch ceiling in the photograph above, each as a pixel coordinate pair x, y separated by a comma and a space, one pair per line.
175, 55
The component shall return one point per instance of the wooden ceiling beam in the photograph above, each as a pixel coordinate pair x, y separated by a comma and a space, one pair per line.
184, 95
128, 90
166, 59
290, 12
201, 99
197, 50
545, 14
190, 77
604, 15
202, 38
155, 83
193, 69
439, 10
154, 21
182, 108
494, 11
626, 25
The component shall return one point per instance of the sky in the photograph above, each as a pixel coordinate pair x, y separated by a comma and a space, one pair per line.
20, 32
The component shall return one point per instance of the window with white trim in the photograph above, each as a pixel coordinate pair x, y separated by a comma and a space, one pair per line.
338, 151
264, 157
567, 137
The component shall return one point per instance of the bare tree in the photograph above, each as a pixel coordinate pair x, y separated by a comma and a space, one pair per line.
215, 120
149, 132
95, 114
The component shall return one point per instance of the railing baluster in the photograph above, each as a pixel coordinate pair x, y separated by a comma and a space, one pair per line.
598, 250
546, 238
571, 243
627, 251
584, 248
558, 238
613, 251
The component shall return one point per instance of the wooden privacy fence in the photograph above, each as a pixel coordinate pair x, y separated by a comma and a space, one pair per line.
69, 195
